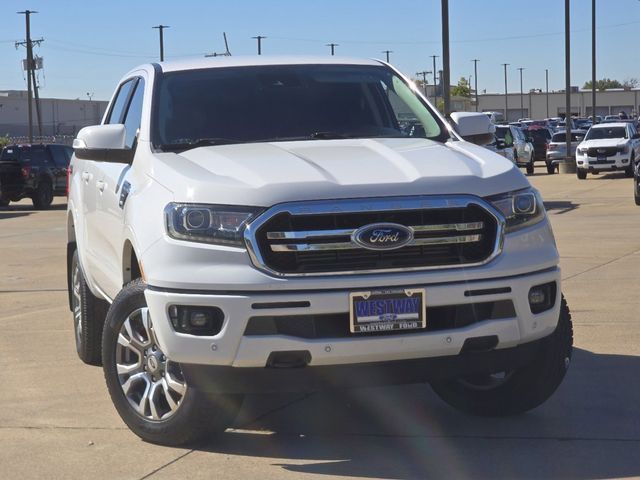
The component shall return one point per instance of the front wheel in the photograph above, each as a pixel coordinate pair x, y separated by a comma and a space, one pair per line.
628, 172
530, 168
516, 391
148, 388
636, 188
551, 168
581, 173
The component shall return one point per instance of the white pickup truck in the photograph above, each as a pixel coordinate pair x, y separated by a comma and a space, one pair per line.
240, 225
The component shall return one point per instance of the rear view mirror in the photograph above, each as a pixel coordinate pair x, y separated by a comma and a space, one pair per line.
474, 127
103, 143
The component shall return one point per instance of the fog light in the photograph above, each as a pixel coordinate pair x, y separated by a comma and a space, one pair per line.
196, 320
537, 296
542, 297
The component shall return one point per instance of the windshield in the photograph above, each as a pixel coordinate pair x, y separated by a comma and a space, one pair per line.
562, 137
287, 102
604, 132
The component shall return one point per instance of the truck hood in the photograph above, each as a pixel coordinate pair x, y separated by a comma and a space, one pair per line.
264, 174
604, 142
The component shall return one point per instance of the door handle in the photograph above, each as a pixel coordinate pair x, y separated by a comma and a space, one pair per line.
100, 184
86, 176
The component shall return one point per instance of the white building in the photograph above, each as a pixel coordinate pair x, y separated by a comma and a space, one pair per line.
59, 116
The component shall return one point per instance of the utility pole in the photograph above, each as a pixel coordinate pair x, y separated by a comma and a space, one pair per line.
506, 93
546, 75
30, 68
333, 46
446, 78
424, 81
567, 74
387, 52
521, 93
435, 83
259, 39
475, 76
593, 60
161, 30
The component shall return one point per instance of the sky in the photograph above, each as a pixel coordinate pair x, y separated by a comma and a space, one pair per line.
89, 45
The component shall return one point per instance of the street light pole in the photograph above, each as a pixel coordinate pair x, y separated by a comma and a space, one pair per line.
546, 75
161, 30
446, 72
567, 74
424, 81
593, 60
475, 76
506, 101
521, 93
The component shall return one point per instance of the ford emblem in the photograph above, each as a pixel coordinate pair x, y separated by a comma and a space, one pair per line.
382, 236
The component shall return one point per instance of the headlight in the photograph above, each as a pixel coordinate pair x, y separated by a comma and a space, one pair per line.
582, 151
217, 224
624, 148
521, 209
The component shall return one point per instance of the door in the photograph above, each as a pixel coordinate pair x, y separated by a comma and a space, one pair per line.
93, 173
114, 186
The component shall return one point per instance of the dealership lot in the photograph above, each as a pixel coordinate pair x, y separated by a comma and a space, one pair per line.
57, 421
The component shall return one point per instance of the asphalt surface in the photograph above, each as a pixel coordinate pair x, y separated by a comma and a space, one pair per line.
57, 421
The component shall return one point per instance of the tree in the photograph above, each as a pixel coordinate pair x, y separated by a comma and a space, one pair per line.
630, 83
603, 84
462, 89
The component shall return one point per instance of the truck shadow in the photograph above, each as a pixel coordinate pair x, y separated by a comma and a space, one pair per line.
589, 429
560, 206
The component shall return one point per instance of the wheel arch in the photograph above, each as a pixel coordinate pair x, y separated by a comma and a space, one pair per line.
71, 248
131, 269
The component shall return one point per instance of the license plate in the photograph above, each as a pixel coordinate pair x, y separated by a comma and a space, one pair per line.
601, 159
387, 310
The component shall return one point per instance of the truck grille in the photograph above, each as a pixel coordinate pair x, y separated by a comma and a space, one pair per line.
602, 151
445, 234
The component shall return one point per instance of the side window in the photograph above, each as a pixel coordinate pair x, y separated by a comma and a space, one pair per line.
59, 156
119, 105
134, 115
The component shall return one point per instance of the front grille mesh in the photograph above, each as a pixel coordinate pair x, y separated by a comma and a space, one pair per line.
318, 243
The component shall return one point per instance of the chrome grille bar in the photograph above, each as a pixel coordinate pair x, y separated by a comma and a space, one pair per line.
308, 247
308, 234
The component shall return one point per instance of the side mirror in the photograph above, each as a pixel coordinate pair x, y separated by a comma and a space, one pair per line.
103, 143
636, 135
474, 127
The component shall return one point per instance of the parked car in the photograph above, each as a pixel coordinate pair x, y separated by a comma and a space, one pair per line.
38, 172
260, 224
498, 146
514, 138
608, 146
557, 148
540, 138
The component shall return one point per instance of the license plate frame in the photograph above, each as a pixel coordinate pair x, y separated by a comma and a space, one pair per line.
403, 309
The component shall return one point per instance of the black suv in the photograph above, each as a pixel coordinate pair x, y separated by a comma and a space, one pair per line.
38, 172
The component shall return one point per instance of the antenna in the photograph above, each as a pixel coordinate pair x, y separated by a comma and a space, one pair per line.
227, 53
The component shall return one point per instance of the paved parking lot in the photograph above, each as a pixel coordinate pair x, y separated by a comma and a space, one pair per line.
56, 419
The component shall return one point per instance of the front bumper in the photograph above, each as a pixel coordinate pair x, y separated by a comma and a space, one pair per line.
233, 348
619, 161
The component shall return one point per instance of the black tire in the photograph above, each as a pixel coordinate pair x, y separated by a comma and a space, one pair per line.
89, 313
530, 168
4, 202
636, 188
581, 173
522, 389
197, 416
551, 168
43, 196
628, 172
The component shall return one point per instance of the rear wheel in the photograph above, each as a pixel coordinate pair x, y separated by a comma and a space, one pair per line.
147, 388
88, 316
581, 173
551, 168
43, 196
516, 391
636, 188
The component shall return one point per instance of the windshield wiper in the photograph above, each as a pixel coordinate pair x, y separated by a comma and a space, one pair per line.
199, 142
328, 135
